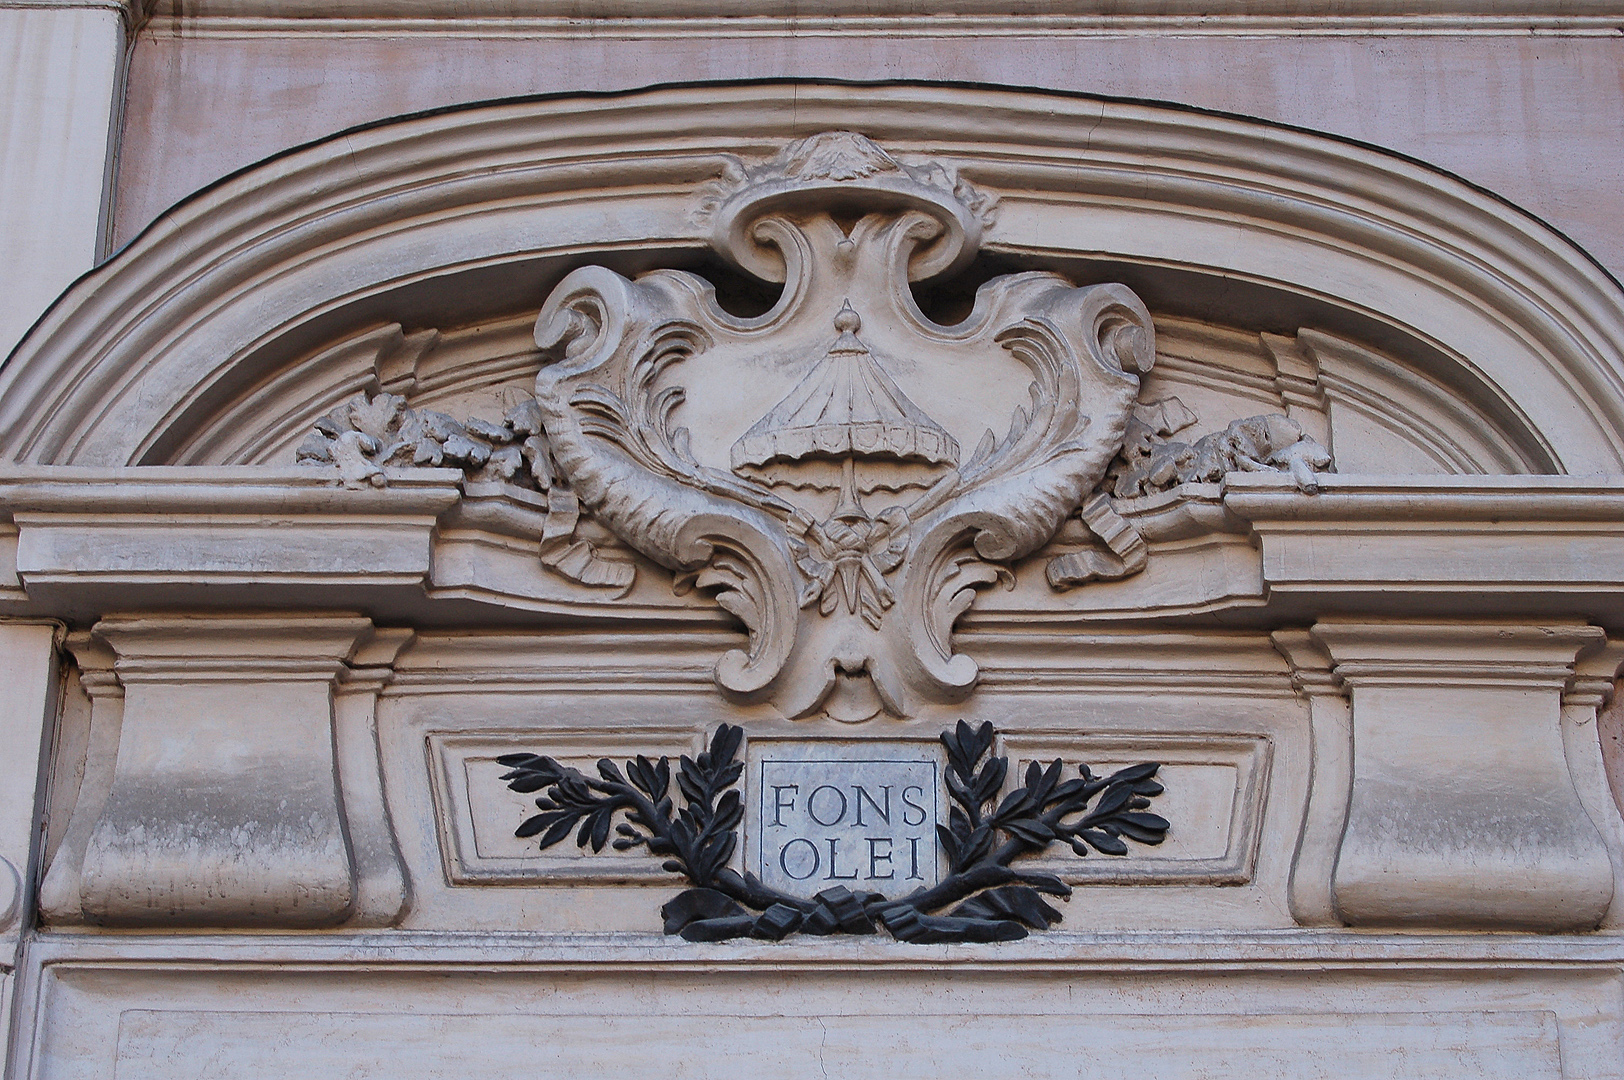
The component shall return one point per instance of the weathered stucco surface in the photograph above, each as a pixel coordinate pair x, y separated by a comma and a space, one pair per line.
1538, 120
399, 531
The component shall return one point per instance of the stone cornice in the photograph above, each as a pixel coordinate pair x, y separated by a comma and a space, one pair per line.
251, 18
646, 19
120, 6
1059, 951
86, 541
805, 13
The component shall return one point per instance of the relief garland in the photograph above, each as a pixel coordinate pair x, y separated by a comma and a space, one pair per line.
994, 900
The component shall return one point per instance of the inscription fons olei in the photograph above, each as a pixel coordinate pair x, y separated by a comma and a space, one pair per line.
866, 822
995, 820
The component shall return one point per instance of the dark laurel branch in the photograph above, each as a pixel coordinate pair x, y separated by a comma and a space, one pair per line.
994, 901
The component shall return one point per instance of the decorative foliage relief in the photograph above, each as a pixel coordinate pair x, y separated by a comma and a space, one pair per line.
364, 435
1151, 460
808, 467
983, 898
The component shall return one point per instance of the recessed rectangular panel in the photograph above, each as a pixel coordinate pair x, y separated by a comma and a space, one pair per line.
477, 813
197, 1045
860, 812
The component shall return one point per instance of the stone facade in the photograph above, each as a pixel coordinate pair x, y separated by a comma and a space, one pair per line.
775, 575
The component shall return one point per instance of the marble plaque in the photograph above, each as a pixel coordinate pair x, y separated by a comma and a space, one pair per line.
859, 815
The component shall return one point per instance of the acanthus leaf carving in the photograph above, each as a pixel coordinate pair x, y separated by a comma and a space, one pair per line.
1151, 462
366, 434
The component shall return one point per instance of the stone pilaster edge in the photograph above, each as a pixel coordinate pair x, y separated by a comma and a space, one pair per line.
131, 11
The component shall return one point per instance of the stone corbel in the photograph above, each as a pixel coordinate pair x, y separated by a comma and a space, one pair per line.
1462, 811
226, 805
1589, 690
382, 893
59, 894
1325, 814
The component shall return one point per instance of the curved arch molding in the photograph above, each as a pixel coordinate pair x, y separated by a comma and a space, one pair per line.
225, 287
280, 599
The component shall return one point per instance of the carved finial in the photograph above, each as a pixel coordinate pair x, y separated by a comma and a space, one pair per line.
807, 173
846, 320
835, 155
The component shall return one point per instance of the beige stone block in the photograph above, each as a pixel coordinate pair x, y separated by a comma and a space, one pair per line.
1535, 118
1462, 809
223, 807
1428, 1007
173, 1045
28, 671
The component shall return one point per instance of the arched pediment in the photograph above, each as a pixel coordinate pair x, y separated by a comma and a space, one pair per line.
820, 402
1457, 331
1067, 328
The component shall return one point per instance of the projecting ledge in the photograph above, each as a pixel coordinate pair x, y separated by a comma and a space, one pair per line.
1058, 951
89, 540
80, 542
1406, 546
1440, 545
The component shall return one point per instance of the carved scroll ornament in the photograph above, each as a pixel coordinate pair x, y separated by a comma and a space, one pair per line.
807, 467
843, 525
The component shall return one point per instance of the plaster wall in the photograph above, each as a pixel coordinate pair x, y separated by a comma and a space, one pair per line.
1537, 119
59, 94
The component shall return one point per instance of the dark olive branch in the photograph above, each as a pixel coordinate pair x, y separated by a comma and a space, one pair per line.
999, 903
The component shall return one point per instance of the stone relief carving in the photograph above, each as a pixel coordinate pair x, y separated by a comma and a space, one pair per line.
364, 435
987, 898
1151, 462
807, 467
842, 524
